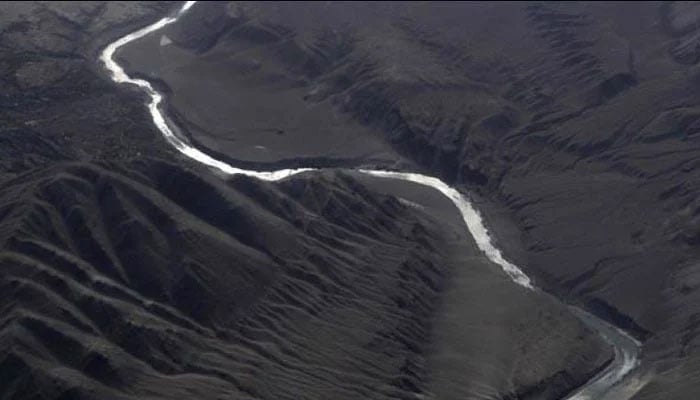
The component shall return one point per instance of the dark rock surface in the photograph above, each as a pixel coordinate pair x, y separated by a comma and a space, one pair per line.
575, 123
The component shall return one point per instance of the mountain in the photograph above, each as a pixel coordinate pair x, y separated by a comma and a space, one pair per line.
129, 272
151, 280
574, 125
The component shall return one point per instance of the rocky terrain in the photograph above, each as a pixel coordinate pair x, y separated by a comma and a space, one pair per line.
574, 125
129, 273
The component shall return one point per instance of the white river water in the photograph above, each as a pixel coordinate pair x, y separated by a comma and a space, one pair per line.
626, 348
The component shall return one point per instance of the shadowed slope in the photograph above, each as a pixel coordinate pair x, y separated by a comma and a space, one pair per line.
151, 280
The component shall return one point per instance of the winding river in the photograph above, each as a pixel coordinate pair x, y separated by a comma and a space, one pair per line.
616, 381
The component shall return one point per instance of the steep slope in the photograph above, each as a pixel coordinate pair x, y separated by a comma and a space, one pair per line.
148, 280
574, 123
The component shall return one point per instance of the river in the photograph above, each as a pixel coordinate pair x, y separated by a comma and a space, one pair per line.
616, 382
